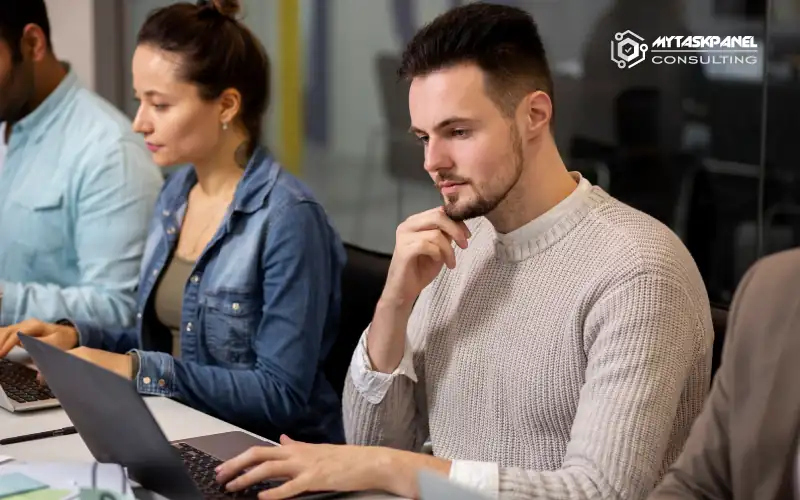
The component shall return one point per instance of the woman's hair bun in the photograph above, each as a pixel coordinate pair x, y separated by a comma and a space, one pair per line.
228, 8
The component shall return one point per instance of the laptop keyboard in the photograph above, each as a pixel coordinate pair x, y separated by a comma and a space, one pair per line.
20, 384
201, 467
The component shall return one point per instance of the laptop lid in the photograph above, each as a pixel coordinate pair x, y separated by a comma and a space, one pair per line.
113, 420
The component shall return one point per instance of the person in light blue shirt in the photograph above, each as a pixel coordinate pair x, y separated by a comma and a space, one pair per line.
239, 296
77, 186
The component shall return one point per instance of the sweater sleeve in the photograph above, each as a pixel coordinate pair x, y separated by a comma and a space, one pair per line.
395, 413
703, 469
642, 340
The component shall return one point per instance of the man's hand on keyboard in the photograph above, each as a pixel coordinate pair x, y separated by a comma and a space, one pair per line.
326, 467
62, 336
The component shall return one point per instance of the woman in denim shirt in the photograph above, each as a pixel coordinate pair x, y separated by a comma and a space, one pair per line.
238, 300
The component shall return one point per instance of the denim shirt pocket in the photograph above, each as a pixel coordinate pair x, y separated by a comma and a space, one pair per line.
229, 322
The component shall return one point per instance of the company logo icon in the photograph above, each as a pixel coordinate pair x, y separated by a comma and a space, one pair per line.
628, 49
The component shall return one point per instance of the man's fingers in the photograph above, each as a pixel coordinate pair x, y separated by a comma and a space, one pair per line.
446, 249
267, 470
436, 219
287, 440
7, 343
249, 458
9, 338
288, 489
429, 247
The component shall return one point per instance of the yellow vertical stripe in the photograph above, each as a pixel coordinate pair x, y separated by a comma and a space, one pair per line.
290, 84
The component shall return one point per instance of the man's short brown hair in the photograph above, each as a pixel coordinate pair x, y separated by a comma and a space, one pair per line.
502, 41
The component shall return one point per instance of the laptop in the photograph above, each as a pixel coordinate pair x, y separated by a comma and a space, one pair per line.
117, 427
19, 389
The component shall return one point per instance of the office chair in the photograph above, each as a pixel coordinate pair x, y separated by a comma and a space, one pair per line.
363, 279
719, 318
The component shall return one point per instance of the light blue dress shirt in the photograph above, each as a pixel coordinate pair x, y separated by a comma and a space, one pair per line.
77, 190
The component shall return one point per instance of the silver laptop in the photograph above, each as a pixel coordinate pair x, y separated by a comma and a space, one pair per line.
117, 427
435, 487
19, 389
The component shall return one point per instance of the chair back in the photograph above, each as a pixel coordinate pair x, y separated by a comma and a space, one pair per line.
719, 318
363, 279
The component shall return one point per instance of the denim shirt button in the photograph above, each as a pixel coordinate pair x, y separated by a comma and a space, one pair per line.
235, 306
138, 315
170, 230
189, 326
146, 380
155, 272
161, 383
165, 213
195, 279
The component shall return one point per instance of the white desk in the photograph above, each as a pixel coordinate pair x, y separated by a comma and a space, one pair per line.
176, 420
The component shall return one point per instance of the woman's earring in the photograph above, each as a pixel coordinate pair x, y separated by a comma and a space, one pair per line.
224, 125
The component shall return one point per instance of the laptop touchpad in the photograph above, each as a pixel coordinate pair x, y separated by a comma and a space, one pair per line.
226, 445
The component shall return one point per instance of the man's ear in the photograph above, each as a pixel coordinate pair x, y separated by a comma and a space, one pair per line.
34, 43
538, 111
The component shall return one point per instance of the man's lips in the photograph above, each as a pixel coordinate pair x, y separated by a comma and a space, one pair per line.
448, 187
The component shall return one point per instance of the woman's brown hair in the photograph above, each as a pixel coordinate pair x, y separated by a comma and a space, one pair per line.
217, 52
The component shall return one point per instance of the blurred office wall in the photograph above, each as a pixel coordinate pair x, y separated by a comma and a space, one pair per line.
721, 168
72, 27
721, 161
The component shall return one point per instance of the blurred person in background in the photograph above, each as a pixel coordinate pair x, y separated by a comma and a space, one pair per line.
77, 186
239, 294
744, 444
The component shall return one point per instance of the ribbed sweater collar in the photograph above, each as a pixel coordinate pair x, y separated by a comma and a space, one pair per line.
545, 230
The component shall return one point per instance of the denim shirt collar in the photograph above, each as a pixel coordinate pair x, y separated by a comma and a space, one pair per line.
251, 193
37, 121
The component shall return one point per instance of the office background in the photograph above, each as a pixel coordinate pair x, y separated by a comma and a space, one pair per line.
709, 150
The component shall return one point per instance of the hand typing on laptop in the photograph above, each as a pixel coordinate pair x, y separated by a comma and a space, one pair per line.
62, 336
65, 338
324, 467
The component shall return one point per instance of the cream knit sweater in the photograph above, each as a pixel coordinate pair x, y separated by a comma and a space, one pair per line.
574, 353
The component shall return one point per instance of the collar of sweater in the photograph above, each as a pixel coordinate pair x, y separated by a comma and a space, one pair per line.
545, 230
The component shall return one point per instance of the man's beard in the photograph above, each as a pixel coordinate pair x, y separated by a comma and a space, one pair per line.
483, 205
13, 109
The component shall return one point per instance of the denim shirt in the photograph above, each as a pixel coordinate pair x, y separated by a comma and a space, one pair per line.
77, 191
260, 310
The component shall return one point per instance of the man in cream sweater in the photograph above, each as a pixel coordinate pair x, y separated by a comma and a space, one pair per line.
550, 341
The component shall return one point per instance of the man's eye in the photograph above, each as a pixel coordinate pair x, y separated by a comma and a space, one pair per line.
460, 132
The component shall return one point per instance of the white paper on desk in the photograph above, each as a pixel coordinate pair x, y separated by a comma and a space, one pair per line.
74, 475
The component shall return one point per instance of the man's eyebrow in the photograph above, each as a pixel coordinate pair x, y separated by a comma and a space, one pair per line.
442, 124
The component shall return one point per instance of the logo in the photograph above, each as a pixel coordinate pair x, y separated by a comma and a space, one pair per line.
628, 49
